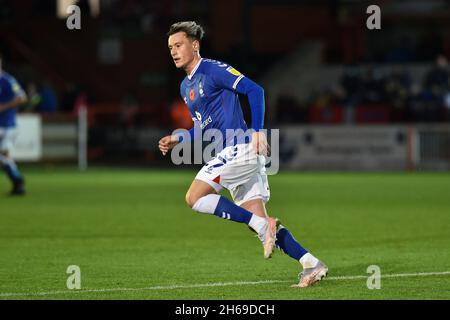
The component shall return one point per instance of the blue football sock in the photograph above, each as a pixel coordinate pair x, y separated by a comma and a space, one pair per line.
290, 246
228, 210
12, 171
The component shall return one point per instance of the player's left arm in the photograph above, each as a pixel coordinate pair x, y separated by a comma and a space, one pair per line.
255, 96
19, 97
232, 79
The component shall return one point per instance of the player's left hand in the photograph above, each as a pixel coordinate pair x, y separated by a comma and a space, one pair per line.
259, 142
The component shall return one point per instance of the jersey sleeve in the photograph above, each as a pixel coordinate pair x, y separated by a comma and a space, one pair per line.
6, 88
15, 88
255, 96
225, 76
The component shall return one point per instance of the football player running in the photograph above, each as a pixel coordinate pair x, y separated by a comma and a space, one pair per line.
11, 97
210, 91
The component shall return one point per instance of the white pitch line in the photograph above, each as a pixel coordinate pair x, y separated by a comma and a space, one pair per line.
395, 275
214, 284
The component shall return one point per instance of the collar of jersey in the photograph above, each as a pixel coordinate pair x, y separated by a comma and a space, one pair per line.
195, 69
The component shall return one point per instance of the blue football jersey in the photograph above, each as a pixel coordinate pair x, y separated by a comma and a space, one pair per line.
211, 96
9, 89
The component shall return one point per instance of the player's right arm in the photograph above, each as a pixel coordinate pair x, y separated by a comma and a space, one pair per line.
168, 142
18, 95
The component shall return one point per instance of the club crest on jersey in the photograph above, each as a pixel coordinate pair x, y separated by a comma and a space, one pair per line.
192, 95
233, 71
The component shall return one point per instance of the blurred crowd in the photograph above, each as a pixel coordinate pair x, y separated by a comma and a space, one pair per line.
360, 95
43, 98
393, 96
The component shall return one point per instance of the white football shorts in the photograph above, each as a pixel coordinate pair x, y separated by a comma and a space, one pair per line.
7, 138
240, 170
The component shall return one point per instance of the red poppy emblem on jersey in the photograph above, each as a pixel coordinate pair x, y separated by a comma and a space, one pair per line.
192, 95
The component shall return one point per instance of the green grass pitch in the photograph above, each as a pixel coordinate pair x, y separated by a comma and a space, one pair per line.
133, 237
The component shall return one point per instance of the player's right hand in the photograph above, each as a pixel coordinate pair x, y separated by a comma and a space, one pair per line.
168, 142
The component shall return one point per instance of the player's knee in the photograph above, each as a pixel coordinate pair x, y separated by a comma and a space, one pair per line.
191, 199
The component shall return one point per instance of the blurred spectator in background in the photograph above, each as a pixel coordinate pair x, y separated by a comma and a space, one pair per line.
69, 96
11, 97
437, 87
322, 110
438, 78
398, 90
375, 96
373, 86
425, 106
352, 85
129, 108
48, 100
33, 98
180, 115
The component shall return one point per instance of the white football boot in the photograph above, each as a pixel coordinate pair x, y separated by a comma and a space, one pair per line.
310, 276
268, 236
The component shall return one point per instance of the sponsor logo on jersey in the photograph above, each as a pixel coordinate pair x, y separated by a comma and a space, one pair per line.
192, 95
204, 123
200, 89
233, 71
